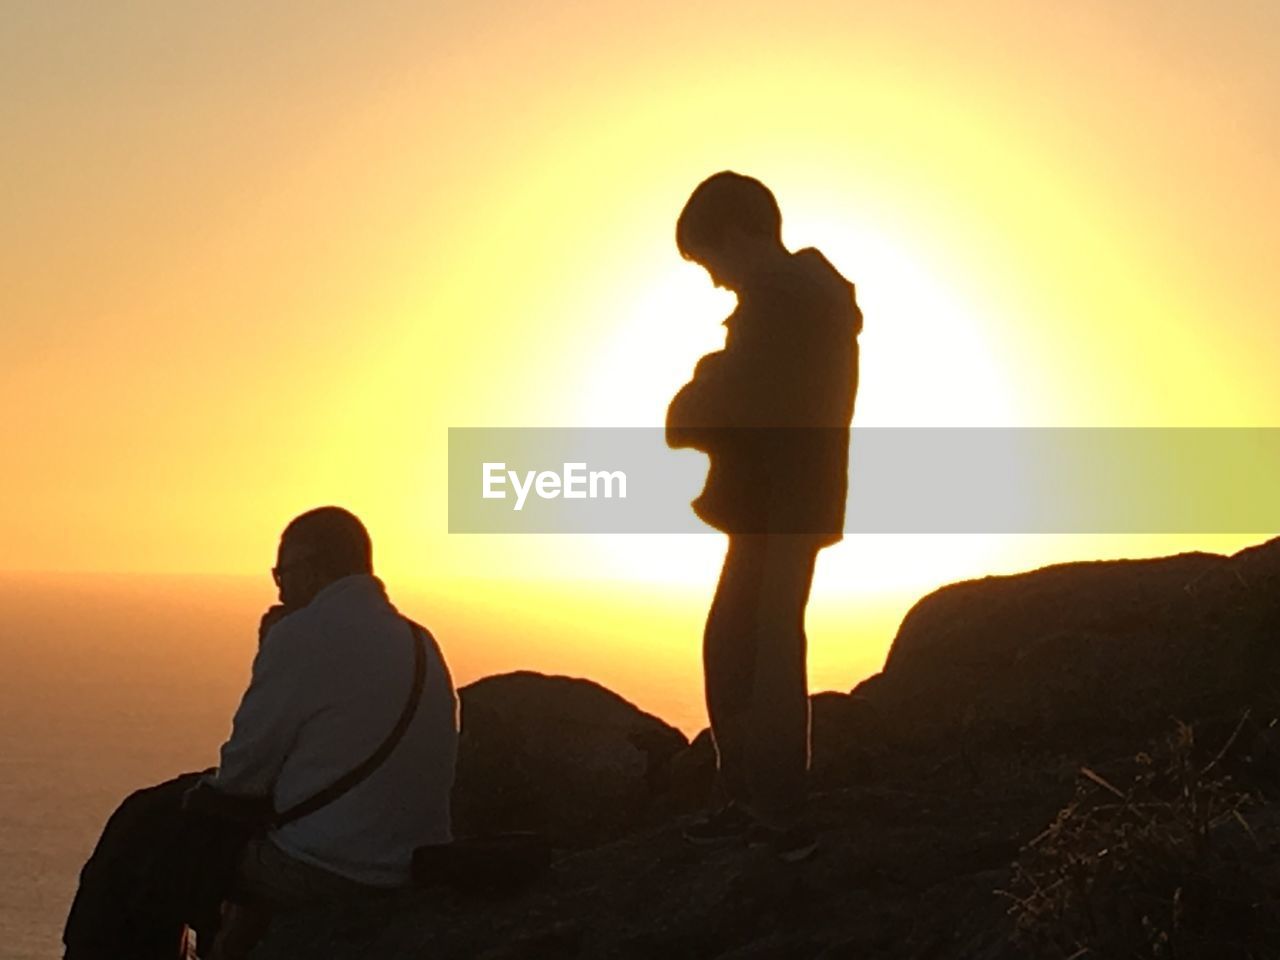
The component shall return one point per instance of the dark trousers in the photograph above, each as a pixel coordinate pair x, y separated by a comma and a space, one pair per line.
155, 870
754, 651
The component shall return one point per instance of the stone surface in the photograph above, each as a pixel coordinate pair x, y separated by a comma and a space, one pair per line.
1069, 654
930, 781
559, 755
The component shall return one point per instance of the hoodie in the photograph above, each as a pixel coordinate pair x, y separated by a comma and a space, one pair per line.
772, 409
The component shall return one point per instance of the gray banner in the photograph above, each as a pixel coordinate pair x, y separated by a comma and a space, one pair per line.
901, 480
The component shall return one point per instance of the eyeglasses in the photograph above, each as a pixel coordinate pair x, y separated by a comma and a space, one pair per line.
279, 571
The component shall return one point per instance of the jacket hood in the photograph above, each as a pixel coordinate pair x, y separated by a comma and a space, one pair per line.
804, 276
826, 281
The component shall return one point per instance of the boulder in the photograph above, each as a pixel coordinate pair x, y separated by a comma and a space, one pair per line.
847, 742
916, 862
1072, 653
559, 755
693, 775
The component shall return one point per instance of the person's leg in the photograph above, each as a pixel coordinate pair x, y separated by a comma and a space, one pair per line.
728, 658
778, 731
135, 890
269, 882
269, 876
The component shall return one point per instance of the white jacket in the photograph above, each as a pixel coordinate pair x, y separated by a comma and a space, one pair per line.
329, 683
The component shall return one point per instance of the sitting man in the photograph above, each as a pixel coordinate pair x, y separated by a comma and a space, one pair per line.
349, 729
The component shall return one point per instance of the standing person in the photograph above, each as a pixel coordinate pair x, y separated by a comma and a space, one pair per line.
772, 411
346, 737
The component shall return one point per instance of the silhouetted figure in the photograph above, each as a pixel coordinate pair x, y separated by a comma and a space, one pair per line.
339, 765
772, 411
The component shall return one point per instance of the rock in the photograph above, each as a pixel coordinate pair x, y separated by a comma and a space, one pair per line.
916, 858
693, 774
1078, 651
848, 739
559, 755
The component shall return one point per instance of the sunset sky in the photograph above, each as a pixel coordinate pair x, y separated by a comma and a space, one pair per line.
259, 257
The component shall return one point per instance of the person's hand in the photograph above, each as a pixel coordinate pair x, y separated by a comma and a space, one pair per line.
269, 619
204, 799
708, 365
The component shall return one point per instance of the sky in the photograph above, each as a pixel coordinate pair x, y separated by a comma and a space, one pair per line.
259, 257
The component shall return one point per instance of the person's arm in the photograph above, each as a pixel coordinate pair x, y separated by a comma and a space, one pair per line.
266, 722
699, 405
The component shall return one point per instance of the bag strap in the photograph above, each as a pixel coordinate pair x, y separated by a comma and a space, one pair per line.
357, 776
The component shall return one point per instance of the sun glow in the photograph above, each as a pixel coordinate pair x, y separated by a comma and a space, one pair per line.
297, 259
946, 374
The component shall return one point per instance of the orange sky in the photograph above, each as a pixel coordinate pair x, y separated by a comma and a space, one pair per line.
254, 258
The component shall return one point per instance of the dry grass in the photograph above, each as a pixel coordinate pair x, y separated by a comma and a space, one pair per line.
1164, 864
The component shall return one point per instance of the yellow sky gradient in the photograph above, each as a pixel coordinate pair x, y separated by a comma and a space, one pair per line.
254, 258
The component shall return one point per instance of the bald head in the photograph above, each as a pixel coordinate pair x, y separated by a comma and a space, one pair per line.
317, 548
334, 539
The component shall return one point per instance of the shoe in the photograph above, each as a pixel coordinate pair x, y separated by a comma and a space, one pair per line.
788, 844
730, 822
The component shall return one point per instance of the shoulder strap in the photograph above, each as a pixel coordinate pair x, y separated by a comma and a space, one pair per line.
348, 781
